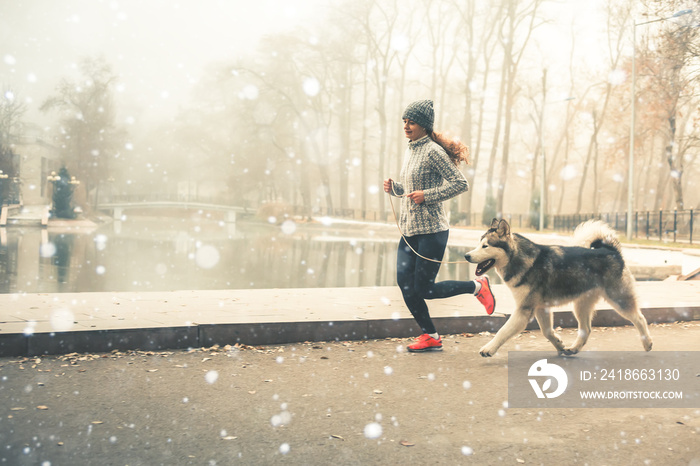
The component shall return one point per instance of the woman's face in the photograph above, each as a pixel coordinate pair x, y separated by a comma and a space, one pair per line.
413, 130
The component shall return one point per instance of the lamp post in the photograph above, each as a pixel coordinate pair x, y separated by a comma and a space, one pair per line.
630, 167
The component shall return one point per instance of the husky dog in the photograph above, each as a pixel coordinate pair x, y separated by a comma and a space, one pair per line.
541, 276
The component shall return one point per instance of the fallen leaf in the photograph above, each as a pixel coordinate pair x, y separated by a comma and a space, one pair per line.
337, 436
16, 409
42, 407
60, 444
252, 392
406, 443
97, 422
229, 437
519, 460
378, 392
206, 359
152, 370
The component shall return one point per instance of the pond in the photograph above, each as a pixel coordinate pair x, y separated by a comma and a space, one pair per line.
165, 254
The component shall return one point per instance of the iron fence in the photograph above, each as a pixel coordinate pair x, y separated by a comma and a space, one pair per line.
677, 226
669, 226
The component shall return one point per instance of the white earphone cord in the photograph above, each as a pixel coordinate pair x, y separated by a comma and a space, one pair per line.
404, 237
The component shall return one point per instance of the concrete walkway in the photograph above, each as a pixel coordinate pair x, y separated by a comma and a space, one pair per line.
35, 324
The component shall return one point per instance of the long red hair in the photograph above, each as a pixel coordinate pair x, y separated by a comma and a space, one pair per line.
455, 148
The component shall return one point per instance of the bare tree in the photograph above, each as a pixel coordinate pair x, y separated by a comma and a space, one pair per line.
89, 136
12, 111
379, 23
667, 90
524, 21
618, 15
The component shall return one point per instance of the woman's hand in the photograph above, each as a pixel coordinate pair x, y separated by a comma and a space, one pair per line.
387, 185
416, 196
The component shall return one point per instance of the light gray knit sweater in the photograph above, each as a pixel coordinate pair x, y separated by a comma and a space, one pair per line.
427, 168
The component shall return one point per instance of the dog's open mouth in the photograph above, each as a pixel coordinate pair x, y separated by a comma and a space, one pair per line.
484, 267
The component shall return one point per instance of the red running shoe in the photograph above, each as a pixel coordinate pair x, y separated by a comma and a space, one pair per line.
425, 343
485, 296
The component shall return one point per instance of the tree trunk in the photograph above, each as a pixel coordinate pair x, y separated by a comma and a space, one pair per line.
345, 120
489, 202
591, 145
502, 178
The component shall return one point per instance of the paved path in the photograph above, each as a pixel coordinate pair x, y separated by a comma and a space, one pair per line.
32, 324
346, 403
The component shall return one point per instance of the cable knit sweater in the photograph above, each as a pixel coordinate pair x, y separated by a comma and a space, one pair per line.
427, 168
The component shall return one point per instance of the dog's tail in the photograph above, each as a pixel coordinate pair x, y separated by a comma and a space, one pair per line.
596, 234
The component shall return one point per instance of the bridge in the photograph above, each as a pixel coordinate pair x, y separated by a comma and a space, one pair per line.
119, 207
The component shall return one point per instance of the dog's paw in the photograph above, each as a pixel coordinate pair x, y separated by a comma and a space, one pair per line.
558, 345
486, 352
647, 343
569, 351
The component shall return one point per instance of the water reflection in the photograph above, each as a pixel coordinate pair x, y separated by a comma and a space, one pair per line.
163, 255
60, 260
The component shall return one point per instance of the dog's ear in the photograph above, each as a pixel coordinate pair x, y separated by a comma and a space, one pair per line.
503, 229
494, 223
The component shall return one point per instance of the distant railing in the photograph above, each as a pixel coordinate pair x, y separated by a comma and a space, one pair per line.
676, 225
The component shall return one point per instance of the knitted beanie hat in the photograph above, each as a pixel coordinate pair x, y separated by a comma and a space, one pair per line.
420, 112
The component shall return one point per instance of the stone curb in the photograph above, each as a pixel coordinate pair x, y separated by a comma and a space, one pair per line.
256, 334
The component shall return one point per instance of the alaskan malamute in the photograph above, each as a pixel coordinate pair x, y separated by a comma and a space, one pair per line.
541, 276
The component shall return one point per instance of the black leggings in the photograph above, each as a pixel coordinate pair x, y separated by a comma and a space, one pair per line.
416, 276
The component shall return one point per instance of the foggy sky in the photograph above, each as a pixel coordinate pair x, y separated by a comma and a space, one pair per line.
158, 47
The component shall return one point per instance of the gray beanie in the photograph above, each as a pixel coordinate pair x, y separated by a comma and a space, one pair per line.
421, 112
